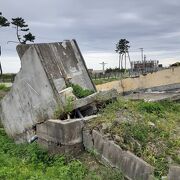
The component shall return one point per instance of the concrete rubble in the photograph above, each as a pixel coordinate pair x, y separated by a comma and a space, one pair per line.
65, 136
42, 86
46, 69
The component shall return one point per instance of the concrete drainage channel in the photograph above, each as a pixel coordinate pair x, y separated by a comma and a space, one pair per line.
111, 154
71, 137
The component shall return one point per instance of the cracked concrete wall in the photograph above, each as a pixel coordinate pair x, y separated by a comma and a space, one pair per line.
45, 70
168, 78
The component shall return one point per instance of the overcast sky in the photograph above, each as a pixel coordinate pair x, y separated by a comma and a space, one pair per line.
97, 25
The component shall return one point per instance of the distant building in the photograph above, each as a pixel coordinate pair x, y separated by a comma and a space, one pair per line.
142, 67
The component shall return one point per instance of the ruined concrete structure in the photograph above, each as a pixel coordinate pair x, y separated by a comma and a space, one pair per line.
45, 70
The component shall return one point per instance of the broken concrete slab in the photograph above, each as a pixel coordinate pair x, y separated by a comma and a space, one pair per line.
45, 70
98, 97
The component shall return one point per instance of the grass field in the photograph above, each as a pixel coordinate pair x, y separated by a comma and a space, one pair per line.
150, 130
29, 161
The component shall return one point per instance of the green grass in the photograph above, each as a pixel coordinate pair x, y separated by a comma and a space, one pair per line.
29, 161
80, 92
150, 130
3, 90
3, 87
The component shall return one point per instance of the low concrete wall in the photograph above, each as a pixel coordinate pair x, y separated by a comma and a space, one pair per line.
110, 153
159, 79
71, 137
59, 136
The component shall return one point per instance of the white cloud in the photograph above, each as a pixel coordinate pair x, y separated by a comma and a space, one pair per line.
10, 64
97, 26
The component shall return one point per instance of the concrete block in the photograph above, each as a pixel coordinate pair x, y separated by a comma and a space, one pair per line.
98, 141
132, 166
112, 154
41, 130
67, 132
88, 140
174, 173
57, 148
135, 168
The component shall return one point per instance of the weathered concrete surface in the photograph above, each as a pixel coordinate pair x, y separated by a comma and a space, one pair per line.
160, 80
174, 173
110, 153
62, 137
45, 70
98, 97
66, 132
88, 140
57, 148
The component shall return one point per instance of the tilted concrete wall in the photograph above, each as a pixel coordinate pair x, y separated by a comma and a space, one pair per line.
45, 70
165, 77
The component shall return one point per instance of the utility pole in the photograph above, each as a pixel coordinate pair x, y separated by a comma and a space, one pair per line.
103, 66
145, 64
142, 49
142, 56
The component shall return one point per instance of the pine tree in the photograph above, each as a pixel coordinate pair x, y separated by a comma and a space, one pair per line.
122, 47
21, 26
3, 21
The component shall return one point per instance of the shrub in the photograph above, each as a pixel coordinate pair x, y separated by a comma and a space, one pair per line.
79, 92
62, 112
